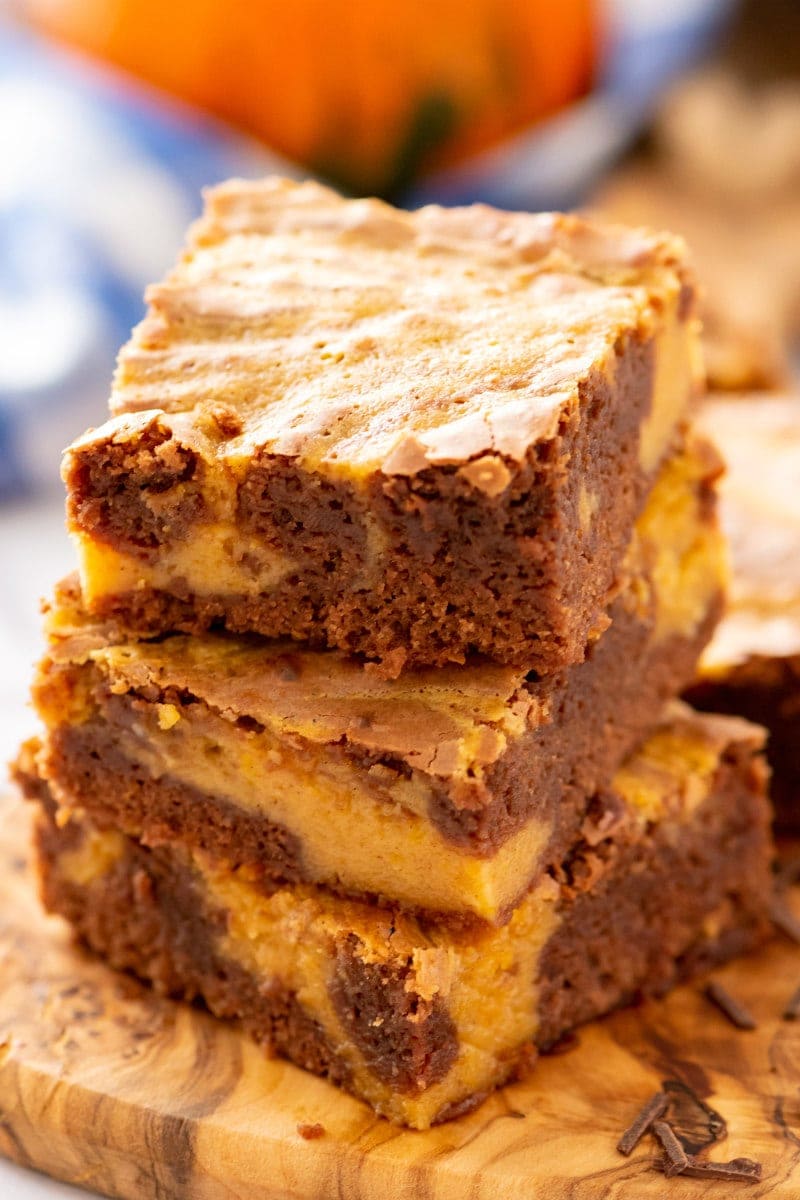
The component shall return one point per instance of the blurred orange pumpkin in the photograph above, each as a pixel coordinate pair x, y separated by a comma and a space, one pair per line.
367, 92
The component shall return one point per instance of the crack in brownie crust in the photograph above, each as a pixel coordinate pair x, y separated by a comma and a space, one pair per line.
139, 496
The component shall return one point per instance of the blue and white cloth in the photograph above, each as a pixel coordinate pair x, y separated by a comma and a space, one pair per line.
100, 177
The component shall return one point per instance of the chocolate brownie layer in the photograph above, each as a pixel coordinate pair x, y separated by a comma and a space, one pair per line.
670, 874
414, 437
752, 666
307, 766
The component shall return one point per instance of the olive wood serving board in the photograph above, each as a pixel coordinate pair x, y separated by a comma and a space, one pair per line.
105, 1085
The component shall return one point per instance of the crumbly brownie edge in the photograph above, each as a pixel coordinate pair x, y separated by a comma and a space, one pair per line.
463, 573
405, 1040
765, 690
132, 494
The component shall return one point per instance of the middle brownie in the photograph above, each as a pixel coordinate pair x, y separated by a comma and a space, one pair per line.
445, 791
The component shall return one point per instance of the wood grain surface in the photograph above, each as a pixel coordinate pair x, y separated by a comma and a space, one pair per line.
104, 1085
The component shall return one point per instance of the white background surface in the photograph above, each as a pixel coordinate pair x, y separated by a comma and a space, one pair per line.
34, 553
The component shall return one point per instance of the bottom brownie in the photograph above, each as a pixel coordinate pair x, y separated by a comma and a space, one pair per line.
671, 874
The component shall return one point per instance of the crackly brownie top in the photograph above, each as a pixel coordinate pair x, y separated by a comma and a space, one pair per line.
759, 438
354, 336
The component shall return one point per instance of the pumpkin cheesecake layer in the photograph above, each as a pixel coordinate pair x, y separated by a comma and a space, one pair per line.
669, 874
409, 436
752, 665
445, 790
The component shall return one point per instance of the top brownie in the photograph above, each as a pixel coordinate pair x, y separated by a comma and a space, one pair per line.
411, 436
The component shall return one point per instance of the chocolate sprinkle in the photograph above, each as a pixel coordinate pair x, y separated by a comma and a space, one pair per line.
733, 1009
676, 1160
743, 1170
655, 1107
792, 1010
784, 919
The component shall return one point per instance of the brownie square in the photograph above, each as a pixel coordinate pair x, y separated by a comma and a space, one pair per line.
415, 437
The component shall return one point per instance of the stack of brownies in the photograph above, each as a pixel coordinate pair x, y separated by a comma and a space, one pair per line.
360, 723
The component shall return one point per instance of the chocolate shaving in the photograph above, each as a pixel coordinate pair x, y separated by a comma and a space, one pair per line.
655, 1107
676, 1160
743, 1170
696, 1123
785, 920
733, 1009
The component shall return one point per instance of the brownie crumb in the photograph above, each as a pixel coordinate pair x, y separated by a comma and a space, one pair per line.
676, 1160
792, 1010
784, 919
655, 1107
311, 1132
733, 1009
227, 420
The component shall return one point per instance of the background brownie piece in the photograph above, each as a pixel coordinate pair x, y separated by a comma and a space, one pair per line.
669, 875
409, 436
752, 666
447, 789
